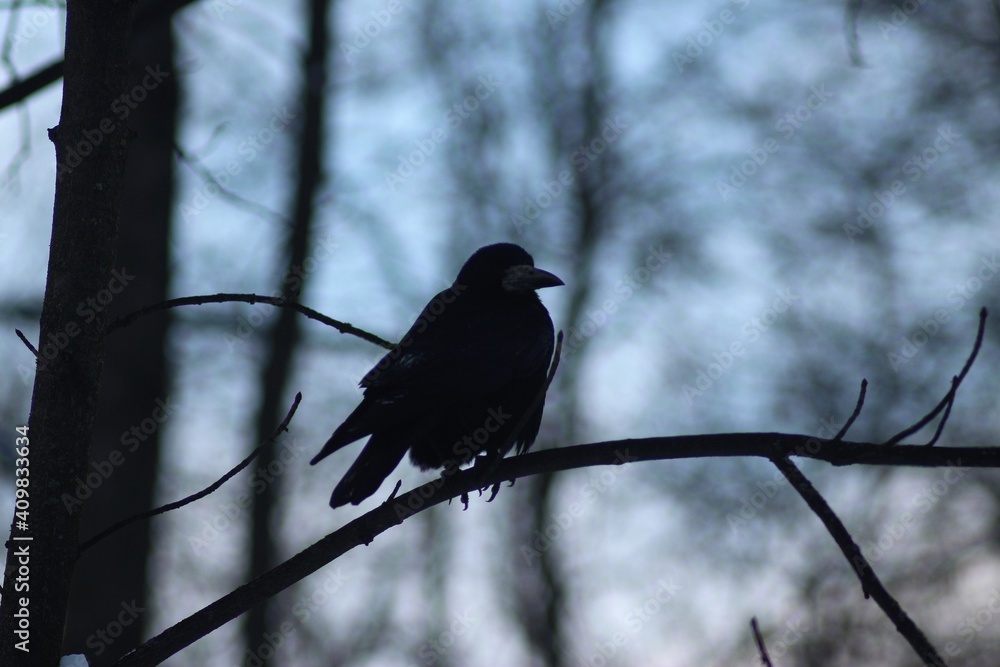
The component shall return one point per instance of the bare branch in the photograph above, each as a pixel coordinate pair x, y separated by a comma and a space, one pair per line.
950, 396
196, 167
366, 528
26, 342
765, 659
342, 327
854, 415
853, 11
22, 89
870, 583
282, 427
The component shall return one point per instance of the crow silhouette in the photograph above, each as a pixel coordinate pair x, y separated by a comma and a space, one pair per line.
460, 380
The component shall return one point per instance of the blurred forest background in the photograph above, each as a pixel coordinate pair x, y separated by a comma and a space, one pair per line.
754, 204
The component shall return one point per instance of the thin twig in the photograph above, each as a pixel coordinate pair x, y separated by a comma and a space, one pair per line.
947, 413
194, 164
342, 327
26, 342
851, 18
283, 426
870, 583
765, 659
950, 396
854, 415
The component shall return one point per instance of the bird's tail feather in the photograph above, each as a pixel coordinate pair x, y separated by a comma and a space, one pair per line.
377, 461
345, 434
335, 442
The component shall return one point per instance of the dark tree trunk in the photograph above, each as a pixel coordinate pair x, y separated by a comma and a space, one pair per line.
90, 154
108, 601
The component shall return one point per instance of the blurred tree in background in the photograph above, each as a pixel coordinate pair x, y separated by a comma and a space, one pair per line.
754, 205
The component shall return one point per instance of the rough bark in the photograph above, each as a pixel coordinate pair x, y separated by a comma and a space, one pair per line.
90, 154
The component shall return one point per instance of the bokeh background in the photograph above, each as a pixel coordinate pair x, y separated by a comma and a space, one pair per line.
754, 205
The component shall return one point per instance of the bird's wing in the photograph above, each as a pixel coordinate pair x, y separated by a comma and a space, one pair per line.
469, 353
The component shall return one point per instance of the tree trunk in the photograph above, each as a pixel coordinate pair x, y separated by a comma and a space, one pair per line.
90, 154
108, 602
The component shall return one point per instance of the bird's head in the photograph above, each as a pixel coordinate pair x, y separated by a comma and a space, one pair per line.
506, 268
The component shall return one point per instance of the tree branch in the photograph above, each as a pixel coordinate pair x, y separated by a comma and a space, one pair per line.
854, 415
949, 398
283, 426
26, 342
28, 86
870, 583
342, 327
366, 528
765, 659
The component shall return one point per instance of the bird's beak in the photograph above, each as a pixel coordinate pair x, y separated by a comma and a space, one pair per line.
524, 278
539, 279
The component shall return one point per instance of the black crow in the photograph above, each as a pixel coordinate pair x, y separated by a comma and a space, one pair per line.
460, 380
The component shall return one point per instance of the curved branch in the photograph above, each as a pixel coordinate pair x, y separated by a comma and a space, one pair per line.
393, 512
949, 398
128, 521
277, 301
854, 415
